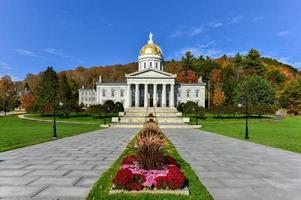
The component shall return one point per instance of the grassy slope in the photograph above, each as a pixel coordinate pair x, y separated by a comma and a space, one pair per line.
103, 185
15, 132
284, 134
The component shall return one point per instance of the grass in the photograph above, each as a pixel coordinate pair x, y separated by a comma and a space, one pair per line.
75, 117
103, 185
16, 132
284, 134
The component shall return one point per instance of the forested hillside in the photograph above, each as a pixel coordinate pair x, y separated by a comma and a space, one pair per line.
225, 75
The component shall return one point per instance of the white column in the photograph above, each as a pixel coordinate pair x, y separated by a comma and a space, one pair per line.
145, 95
137, 95
163, 95
129, 96
155, 95
172, 94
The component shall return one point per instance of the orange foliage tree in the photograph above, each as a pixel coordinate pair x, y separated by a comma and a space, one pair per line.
188, 76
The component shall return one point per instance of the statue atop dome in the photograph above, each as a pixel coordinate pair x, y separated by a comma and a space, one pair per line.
150, 41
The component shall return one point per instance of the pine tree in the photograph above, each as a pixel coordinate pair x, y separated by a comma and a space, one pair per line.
47, 92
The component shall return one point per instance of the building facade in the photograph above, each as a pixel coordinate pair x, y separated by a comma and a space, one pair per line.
148, 87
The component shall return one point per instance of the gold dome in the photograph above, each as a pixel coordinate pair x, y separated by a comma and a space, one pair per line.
150, 48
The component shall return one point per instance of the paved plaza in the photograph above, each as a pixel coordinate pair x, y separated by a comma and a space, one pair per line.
61, 169
232, 169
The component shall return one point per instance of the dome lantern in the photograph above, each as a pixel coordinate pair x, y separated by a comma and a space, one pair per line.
150, 56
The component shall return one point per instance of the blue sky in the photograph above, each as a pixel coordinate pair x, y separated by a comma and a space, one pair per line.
35, 34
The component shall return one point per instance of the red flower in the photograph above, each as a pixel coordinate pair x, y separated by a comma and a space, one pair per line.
161, 182
175, 179
126, 180
129, 160
170, 161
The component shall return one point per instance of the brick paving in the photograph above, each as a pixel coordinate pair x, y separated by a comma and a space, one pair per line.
63, 169
232, 169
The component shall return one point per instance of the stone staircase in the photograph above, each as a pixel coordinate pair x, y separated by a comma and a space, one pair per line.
165, 117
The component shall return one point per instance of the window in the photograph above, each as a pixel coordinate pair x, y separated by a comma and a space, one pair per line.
187, 93
89, 98
157, 65
197, 93
86, 99
82, 98
150, 64
112, 93
121, 93
86, 93
103, 93
144, 65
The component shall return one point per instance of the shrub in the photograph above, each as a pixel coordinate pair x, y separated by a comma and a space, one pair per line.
127, 180
180, 107
293, 111
118, 107
150, 149
110, 106
190, 107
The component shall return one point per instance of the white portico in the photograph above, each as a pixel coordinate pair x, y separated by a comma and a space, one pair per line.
150, 86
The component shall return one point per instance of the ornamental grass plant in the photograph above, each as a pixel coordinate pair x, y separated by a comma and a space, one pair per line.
150, 147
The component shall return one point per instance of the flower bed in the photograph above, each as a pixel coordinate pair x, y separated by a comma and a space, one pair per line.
131, 177
149, 169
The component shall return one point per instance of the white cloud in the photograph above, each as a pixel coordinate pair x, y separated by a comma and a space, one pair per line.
236, 19
207, 49
5, 66
282, 33
61, 54
56, 52
215, 24
26, 52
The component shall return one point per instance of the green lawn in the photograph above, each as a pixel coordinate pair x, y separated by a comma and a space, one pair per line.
75, 117
284, 134
16, 132
101, 189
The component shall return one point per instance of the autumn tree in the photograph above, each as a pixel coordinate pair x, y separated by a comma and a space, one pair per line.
291, 96
218, 96
187, 77
8, 94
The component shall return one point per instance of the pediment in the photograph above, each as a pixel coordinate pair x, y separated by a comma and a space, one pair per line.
150, 73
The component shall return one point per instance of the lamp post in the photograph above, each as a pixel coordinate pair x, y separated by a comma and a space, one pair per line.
54, 118
246, 117
193, 110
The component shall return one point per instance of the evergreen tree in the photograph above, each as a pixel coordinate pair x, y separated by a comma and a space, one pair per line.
252, 64
47, 91
229, 83
66, 96
187, 61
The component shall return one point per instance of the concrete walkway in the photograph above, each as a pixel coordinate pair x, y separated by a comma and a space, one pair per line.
61, 169
232, 169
